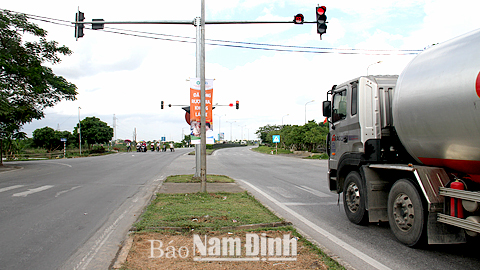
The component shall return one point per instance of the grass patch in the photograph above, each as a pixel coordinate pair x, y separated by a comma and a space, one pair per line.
201, 210
188, 178
268, 150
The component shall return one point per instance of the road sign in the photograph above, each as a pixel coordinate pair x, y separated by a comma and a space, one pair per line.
276, 138
63, 139
163, 139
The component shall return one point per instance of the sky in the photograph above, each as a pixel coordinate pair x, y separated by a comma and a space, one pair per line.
121, 79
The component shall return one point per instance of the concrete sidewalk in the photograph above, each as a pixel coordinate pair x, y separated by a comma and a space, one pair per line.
195, 187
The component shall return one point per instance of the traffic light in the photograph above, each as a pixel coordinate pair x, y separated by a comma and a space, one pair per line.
79, 17
321, 20
161, 104
298, 19
237, 105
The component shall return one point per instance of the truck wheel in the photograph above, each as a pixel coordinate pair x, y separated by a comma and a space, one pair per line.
354, 199
406, 213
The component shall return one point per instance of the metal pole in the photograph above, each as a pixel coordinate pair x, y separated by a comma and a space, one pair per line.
79, 132
198, 54
203, 139
306, 110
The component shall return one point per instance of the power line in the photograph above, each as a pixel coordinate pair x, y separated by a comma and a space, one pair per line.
231, 44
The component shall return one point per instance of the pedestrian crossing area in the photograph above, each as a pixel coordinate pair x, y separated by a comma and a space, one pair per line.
22, 191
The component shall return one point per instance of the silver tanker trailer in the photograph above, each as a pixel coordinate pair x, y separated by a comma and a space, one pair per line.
406, 149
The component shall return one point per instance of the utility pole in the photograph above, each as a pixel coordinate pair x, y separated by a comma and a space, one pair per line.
114, 129
203, 137
79, 132
198, 162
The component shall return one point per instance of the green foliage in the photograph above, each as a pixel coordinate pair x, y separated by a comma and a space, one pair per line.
26, 86
97, 150
197, 210
308, 137
268, 150
94, 131
264, 133
49, 138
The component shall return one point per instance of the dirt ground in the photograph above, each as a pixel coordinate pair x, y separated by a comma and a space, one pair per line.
175, 251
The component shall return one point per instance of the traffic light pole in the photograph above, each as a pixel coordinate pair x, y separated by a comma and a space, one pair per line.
203, 137
200, 150
198, 161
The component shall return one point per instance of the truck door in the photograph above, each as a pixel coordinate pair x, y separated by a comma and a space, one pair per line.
344, 135
338, 131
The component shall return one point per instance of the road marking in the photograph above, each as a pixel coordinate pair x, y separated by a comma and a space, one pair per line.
283, 192
314, 192
65, 191
31, 191
58, 163
301, 203
100, 242
355, 252
10, 188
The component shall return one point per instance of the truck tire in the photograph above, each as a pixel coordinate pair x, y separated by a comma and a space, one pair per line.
354, 199
406, 213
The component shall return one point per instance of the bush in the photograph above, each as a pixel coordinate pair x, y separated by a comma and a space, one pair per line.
97, 150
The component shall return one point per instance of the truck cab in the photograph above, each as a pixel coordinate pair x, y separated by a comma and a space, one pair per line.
360, 116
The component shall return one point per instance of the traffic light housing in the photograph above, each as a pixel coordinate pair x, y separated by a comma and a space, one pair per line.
79, 17
161, 104
321, 20
237, 104
298, 19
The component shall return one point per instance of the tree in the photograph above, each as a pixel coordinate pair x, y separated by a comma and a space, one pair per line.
26, 85
262, 132
49, 138
93, 130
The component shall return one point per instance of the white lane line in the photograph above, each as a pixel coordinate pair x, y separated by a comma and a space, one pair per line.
305, 204
65, 191
369, 260
314, 192
283, 192
31, 191
10, 188
100, 242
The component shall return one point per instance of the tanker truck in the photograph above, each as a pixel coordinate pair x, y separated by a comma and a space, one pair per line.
406, 149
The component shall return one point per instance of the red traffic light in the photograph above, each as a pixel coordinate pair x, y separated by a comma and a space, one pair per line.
237, 105
321, 10
298, 19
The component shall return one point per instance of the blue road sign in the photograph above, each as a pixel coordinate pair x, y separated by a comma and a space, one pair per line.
276, 138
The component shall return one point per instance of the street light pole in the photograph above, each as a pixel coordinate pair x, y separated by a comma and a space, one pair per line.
79, 132
203, 139
372, 65
219, 121
284, 116
231, 129
306, 109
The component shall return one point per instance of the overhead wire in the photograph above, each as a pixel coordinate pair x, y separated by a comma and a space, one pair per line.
232, 44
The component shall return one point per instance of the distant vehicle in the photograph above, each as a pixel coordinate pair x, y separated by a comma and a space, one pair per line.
407, 149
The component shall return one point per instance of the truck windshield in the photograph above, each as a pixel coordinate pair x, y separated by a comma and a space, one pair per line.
339, 106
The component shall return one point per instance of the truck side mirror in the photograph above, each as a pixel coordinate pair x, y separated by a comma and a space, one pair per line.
327, 109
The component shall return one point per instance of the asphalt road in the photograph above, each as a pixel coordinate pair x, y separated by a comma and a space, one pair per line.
74, 213
297, 189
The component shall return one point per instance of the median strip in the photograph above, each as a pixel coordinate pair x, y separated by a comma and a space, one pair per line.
186, 229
